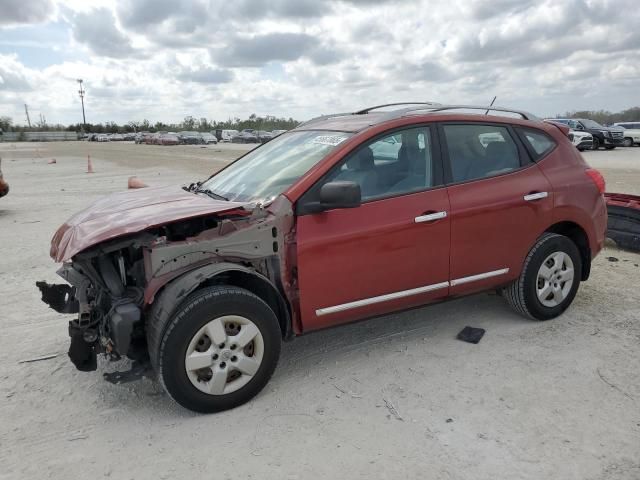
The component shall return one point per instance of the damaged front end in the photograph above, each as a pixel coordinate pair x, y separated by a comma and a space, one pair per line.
105, 291
113, 284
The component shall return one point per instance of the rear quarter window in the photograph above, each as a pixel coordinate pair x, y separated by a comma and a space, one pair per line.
538, 143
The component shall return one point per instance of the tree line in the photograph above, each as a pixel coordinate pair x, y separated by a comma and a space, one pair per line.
605, 117
268, 123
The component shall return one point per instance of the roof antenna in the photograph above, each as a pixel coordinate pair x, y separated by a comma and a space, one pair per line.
491, 104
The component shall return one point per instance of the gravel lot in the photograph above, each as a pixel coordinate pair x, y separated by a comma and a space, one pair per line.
395, 397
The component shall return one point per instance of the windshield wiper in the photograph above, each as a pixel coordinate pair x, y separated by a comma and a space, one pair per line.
212, 194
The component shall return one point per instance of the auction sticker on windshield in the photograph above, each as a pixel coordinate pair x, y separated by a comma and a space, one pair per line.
332, 140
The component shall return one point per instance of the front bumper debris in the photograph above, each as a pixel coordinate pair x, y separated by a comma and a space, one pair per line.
60, 297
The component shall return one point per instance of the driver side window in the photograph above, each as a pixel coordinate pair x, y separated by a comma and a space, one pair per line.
393, 165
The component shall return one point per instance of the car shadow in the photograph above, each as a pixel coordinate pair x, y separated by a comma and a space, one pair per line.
439, 322
346, 345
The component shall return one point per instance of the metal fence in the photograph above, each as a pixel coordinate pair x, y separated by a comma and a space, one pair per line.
38, 136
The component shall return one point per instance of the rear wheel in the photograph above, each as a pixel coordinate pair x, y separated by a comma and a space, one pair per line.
609, 147
596, 144
219, 349
549, 280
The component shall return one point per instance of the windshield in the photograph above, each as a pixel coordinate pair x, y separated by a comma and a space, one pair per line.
591, 124
266, 172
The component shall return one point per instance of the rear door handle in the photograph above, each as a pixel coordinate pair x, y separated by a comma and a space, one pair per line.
430, 217
536, 196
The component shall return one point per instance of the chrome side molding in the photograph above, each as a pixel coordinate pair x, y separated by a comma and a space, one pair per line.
480, 276
381, 298
407, 293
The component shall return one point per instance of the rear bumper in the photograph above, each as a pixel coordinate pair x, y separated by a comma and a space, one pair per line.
585, 144
624, 220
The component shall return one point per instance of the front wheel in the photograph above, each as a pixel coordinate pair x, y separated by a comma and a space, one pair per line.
609, 147
549, 280
219, 349
628, 142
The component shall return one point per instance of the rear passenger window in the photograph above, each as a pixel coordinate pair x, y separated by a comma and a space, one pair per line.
540, 142
479, 151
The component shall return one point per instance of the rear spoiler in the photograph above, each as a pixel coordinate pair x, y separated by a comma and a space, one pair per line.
563, 128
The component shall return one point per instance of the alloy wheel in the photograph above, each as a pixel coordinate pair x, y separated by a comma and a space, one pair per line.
555, 279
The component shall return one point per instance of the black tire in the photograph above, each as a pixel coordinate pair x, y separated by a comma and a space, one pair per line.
628, 142
596, 143
522, 293
609, 147
168, 355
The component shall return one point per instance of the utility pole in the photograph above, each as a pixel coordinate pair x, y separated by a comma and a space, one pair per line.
26, 110
81, 92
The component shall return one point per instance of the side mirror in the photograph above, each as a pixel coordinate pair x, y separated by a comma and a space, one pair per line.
340, 194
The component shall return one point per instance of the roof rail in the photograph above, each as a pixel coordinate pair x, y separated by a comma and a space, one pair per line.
323, 117
487, 109
367, 110
428, 107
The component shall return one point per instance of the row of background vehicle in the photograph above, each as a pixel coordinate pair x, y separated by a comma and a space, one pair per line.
248, 135
587, 134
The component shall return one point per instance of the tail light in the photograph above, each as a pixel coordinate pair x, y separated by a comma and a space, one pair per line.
597, 178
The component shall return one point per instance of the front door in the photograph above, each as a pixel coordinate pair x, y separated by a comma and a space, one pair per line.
391, 252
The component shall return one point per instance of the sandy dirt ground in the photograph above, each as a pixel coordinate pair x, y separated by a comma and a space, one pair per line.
394, 397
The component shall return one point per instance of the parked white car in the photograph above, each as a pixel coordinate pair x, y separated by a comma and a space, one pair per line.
581, 140
631, 133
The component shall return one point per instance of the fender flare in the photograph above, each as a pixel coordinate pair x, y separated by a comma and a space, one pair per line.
174, 293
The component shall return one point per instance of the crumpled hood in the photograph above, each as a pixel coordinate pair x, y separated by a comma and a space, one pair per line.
131, 212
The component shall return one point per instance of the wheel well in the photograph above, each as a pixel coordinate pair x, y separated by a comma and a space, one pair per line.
260, 287
579, 237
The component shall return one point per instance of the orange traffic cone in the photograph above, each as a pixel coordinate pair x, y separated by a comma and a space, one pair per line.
135, 182
52, 161
4, 186
89, 165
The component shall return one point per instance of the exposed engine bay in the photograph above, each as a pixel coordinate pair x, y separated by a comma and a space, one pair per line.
112, 286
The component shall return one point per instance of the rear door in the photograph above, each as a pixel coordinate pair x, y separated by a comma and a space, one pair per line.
500, 203
390, 253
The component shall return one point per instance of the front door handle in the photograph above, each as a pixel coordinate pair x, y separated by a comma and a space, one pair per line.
430, 217
536, 196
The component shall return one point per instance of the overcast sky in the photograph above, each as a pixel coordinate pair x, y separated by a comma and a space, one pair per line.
165, 59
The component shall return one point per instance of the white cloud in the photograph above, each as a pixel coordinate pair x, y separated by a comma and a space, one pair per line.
165, 59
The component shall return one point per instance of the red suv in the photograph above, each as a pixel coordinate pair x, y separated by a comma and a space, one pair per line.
345, 217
